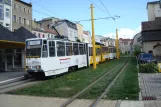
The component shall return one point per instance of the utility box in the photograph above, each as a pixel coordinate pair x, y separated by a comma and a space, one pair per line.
159, 67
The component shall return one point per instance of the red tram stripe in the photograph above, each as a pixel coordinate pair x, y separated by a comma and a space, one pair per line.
64, 59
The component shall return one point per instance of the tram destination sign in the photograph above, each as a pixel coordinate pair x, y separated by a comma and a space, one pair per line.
34, 42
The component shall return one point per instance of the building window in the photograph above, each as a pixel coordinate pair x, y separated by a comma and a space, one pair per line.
20, 20
24, 9
14, 18
24, 21
28, 11
15, 6
1, 12
48, 35
43, 36
20, 8
14, 30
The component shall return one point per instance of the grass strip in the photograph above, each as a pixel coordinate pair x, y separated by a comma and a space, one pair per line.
101, 85
126, 86
68, 84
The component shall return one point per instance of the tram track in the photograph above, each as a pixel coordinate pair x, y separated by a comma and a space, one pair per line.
93, 83
12, 84
95, 102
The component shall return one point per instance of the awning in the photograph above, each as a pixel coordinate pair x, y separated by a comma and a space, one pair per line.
11, 44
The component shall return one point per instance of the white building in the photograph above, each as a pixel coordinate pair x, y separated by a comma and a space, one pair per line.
154, 10
125, 45
87, 37
136, 41
6, 13
66, 28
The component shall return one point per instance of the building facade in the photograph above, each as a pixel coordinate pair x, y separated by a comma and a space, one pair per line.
66, 28
80, 31
35, 24
22, 15
42, 33
46, 22
86, 37
154, 10
136, 42
6, 13
125, 45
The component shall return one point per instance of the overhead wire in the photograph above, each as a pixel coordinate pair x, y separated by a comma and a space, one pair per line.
44, 7
41, 12
106, 9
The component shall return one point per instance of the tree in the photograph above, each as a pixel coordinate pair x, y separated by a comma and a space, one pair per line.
137, 50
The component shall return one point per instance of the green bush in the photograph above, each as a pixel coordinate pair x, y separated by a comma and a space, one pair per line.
148, 68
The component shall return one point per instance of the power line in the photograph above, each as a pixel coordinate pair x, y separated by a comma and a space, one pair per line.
106, 8
96, 19
41, 12
44, 7
97, 6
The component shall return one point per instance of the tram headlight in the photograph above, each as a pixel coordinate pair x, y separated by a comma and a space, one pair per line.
28, 67
38, 67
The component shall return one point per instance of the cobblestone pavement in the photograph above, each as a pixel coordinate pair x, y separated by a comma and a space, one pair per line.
150, 85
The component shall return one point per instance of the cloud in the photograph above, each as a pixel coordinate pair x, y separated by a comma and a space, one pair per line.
125, 33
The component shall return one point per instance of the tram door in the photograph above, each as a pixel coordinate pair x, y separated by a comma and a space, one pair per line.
2, 64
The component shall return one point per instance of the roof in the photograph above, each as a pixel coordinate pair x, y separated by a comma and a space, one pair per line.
51, 31
24, 34
69, 23
125, 40
6, 34
28, 4
151, 35
153, 2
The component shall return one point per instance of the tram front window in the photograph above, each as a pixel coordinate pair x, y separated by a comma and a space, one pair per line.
33, 53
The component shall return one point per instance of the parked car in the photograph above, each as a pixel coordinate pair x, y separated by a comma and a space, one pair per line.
146, 58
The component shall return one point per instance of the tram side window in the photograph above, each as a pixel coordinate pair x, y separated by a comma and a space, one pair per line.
69, 49
60, 48
97, 51
52, 48
81, 49
91, 51
44, 50
75, 49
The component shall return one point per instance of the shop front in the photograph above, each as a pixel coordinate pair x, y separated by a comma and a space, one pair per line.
12, 57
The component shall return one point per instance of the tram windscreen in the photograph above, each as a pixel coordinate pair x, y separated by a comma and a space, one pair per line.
33, 53
33, 48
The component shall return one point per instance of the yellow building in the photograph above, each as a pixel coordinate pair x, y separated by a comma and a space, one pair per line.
80, 31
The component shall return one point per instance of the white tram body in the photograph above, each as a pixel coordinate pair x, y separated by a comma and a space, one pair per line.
53, 57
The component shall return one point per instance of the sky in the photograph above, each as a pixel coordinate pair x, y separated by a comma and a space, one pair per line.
131, 12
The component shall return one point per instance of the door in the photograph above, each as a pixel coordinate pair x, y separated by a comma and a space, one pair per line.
9, 58
2, 64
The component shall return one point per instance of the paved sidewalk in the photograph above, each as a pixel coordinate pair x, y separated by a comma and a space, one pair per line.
28, 101
10, 75
150, 85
